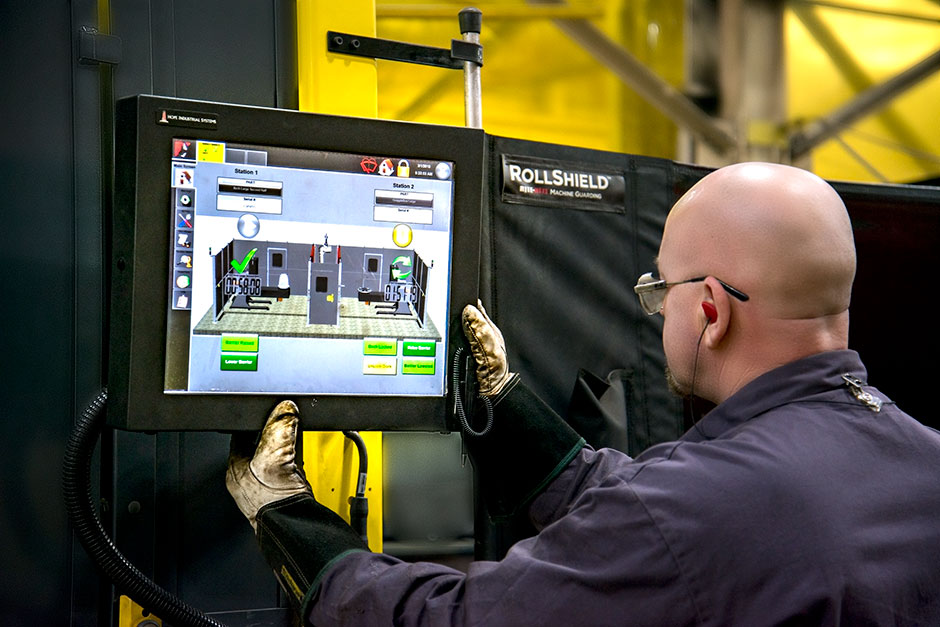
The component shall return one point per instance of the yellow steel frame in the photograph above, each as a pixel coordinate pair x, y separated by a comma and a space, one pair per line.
132, 615
341, 85
335, 83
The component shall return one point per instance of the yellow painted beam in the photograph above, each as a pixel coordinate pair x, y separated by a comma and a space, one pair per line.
339, 85
335, 83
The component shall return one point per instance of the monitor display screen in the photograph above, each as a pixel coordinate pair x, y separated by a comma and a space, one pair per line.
263, 254
308, 271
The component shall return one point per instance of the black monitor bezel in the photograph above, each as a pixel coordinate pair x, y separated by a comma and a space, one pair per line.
140, 239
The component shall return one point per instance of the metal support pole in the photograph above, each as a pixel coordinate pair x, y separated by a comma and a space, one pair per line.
471, 22
646, 83
752, 81
466, 53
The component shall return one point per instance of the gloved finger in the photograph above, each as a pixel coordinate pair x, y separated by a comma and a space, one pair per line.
481, 332
488, 350
266, 473
274, 459
280, 431
496, 332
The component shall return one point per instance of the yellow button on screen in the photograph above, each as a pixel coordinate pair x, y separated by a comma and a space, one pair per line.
380, 365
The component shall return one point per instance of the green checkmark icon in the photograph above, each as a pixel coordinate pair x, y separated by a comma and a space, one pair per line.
241, 265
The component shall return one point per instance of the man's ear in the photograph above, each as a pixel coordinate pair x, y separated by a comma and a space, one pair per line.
716, 312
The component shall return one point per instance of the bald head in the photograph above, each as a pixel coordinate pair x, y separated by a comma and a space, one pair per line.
778, 233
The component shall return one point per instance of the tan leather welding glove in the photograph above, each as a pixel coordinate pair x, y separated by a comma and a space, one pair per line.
488, 349
258, 476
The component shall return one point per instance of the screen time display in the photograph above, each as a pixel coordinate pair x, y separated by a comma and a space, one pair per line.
305, 271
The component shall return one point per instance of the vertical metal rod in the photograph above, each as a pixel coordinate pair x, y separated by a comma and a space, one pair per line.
470, 25
646, 83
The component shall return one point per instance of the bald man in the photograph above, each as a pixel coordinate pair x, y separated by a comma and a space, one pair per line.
806, 497
783, 237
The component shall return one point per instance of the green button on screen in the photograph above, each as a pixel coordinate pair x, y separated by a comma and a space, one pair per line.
417, 366
239, 362
410, 348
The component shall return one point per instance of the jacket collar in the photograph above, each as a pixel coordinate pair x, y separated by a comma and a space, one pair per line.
798, 380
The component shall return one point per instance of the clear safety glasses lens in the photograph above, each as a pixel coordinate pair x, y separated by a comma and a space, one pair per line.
651, 292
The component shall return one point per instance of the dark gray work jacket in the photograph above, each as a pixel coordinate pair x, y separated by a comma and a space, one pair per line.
793, 502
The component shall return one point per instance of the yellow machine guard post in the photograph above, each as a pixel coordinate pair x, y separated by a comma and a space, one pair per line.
341, 85
132, 615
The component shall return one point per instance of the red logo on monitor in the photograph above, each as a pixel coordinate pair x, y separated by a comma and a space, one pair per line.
368, 164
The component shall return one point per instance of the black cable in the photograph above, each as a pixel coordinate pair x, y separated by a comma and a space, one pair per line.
696, 419
363, 460
79, 503
458, 402
359, 504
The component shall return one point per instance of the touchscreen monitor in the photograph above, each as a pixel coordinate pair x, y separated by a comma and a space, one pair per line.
262, 254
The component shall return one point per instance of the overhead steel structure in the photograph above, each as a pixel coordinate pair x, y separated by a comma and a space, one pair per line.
752, 121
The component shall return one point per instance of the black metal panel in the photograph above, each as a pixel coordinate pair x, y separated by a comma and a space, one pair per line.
286, 77
204, 542
38, 315
240, 52
225, 51
171, 513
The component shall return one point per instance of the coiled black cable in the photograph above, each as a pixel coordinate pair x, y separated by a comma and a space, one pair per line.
458, 402
79, 503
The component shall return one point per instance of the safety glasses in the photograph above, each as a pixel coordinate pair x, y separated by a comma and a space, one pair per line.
652, 292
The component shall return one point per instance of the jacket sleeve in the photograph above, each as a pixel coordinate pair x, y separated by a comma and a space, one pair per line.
300, 539
527, 446
598, 560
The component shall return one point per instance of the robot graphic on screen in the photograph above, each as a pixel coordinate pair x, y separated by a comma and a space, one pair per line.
318, 290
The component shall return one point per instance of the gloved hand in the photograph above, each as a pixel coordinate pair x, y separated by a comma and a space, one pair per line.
526, 444
298, 537
488, 349
268, 473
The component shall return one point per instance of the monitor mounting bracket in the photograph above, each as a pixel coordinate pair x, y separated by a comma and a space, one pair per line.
357, 45
467, 50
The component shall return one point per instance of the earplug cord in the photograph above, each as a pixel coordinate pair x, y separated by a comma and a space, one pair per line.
695, 419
